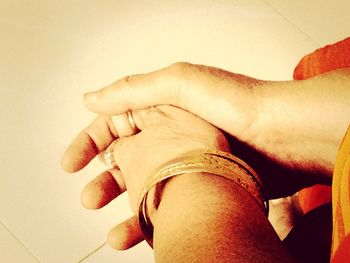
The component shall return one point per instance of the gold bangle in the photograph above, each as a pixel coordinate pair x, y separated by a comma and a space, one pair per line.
212, 162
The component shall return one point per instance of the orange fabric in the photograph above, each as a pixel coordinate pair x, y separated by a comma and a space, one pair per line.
342, 255
314, 196
325, 59
341, 196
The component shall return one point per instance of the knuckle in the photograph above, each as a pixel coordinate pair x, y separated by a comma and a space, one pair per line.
126, 79
148, 117
120, 125
180, 67
181, 74
123, 82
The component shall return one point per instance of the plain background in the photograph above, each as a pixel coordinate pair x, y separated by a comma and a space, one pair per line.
51, 52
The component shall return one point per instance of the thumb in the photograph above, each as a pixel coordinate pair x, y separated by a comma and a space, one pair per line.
138, 92
217, 96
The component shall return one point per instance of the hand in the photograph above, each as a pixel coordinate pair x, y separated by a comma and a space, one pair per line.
289, 132
225, 99
165, 133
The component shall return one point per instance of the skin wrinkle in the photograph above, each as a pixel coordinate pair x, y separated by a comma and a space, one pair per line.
282, 177
256, 124
277, 143
173, 94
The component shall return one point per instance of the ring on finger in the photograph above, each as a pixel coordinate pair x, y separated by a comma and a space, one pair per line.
109, 156
131, 121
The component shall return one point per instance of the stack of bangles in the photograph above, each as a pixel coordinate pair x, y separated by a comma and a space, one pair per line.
210, 162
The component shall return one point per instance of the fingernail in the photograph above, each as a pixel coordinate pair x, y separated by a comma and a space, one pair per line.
90, 97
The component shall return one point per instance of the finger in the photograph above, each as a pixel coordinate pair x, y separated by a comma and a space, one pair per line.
94, 139
125, 124
137, 92
125, 235
105, 157
148, 117
103, 189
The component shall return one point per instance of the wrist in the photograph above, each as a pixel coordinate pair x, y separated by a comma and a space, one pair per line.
214, 163
301, 123
194, 188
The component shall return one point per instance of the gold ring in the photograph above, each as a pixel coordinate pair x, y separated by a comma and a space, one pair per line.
109, 156
131, 121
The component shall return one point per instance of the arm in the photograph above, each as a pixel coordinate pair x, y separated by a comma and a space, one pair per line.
303, 122
204, 218
262, 116
289, 131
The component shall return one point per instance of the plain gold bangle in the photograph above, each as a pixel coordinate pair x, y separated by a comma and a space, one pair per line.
211, 162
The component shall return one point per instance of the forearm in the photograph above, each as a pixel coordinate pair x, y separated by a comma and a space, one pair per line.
302, 122
205, 218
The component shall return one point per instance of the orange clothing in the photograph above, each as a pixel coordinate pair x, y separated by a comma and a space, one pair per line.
341, 204
323, 60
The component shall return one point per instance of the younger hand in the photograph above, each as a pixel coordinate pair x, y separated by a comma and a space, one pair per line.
165, 133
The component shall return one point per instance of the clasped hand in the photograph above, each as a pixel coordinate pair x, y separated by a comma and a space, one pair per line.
165, 132
273, 126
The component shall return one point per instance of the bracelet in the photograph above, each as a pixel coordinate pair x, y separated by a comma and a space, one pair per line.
213, 162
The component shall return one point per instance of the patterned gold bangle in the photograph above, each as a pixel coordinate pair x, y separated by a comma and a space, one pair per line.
211, 162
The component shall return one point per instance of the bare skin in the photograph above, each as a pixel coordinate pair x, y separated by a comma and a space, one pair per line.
221, 218
292, 128
288, 131
215, 221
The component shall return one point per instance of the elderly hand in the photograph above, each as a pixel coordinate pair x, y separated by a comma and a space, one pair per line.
165, 133
288, 131
225, 99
